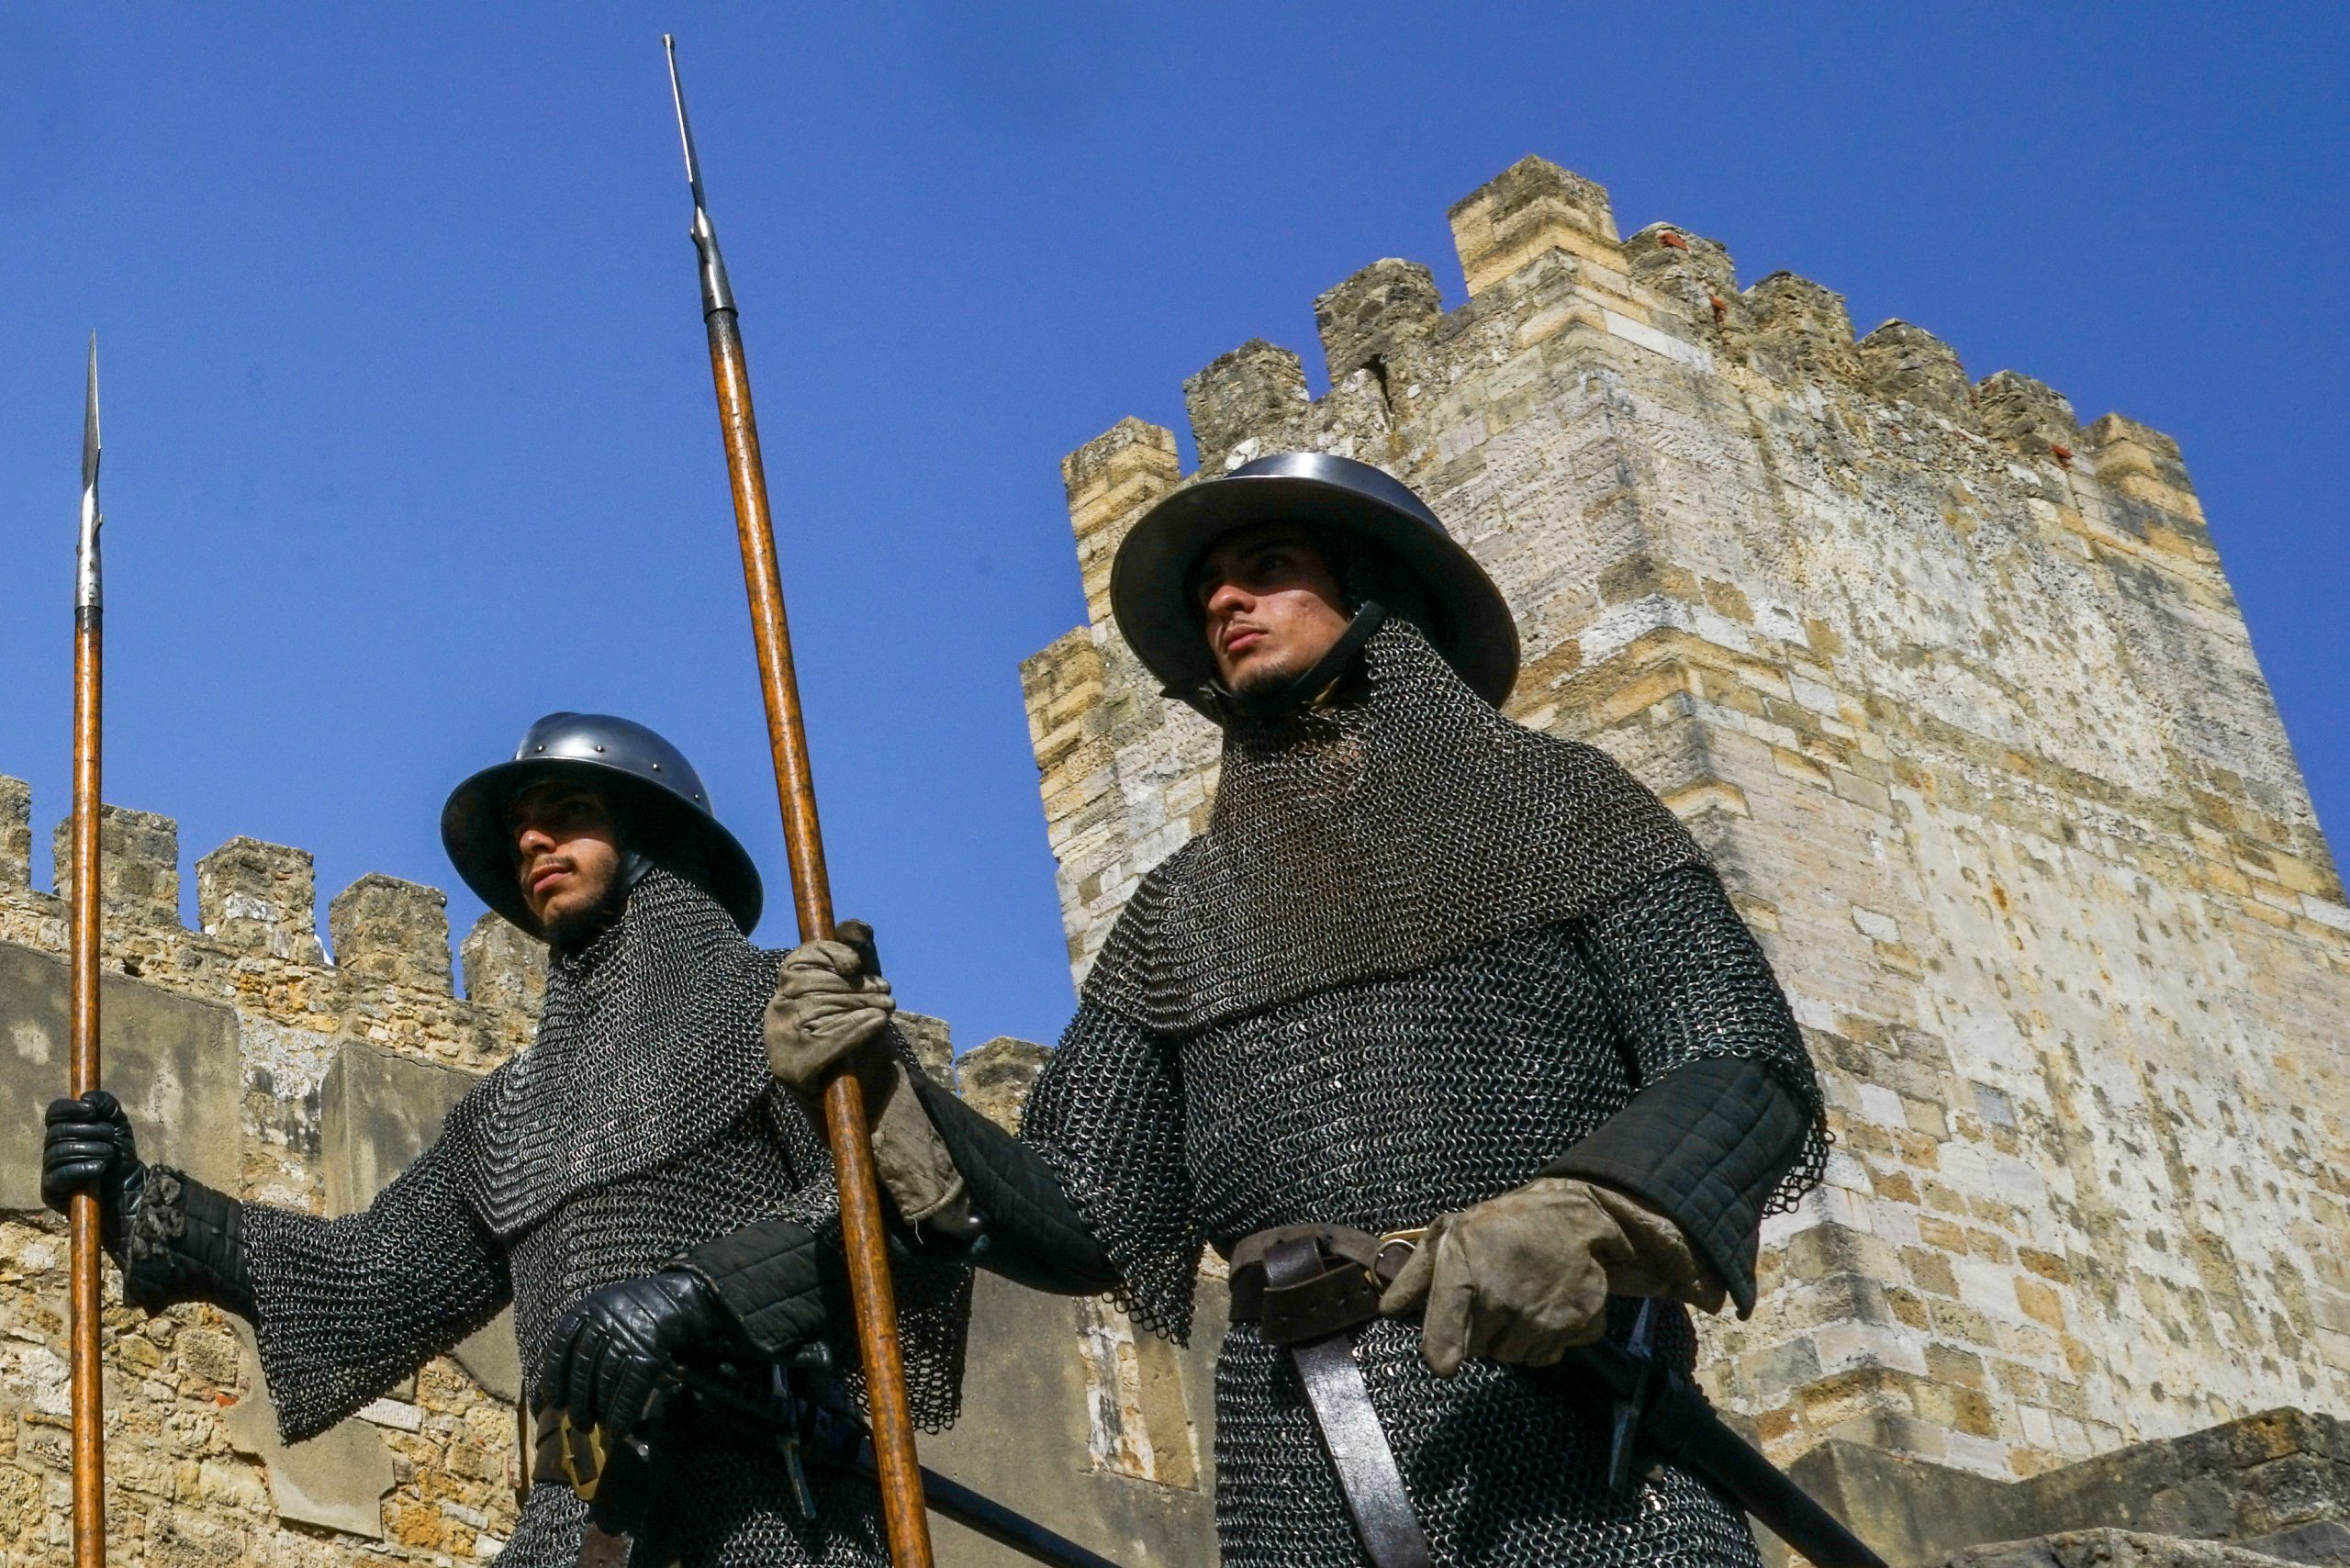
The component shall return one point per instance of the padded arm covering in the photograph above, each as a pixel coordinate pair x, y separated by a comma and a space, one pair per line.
1032, 1233
1706, 1145
770, 1275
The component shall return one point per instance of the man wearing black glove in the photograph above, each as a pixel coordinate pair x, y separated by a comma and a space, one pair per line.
604, 1182
1443, 1033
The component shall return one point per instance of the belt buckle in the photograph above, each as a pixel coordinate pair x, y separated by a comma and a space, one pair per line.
571, 1443
1395, 1249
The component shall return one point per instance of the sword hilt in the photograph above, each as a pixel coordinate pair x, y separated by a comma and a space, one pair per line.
1631, 1408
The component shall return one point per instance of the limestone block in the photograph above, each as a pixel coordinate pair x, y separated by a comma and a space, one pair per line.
1802, 330
1667, 252
1364, 319
504, 966
16, 832
2122, 441
377, 1113
138, 866
1693, 270
933, 1044
2143, 464
171, 1059
2031, 416
1239, 398
996, 1078
254, 897
1531, 207
395, 932
2109, 1549
1110, 481
336, 1481
1910, 364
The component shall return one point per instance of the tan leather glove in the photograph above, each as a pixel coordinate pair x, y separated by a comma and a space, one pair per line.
1524, 1276
832, 1009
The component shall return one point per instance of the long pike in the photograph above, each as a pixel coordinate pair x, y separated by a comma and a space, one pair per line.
81, 1057
861, 1229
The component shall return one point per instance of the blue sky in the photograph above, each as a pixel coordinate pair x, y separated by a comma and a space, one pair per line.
408, 424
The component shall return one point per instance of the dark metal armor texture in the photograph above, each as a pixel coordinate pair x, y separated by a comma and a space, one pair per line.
1404, 822
1477, 947
640, 1125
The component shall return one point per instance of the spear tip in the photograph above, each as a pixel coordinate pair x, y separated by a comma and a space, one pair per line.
90, 422
684, 127
87, 588
716, 293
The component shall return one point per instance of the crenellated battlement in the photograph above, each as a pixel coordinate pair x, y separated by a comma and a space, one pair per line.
254, 900
1540, 243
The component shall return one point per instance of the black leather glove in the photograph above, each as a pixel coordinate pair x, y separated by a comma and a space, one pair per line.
89, 1148
618, 1355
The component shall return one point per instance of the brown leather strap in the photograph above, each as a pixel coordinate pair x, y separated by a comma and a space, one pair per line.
1338, 1292
600, 1548
1345, 1420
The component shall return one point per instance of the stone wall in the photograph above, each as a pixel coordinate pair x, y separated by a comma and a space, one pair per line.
250, 1060
1955, 690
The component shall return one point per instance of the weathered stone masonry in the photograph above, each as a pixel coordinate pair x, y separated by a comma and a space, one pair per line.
1956, 692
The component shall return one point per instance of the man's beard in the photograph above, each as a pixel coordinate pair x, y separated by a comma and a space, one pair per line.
570, 932
1268, 678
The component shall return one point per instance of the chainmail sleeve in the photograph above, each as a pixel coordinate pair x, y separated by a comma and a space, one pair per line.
1717, 1057
347, 1307
1107, 1116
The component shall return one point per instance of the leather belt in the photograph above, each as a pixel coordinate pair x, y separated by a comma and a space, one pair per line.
1310, 1289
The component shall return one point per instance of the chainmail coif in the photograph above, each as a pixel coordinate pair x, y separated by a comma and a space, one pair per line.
648, 1044
1401, 822
642, 1123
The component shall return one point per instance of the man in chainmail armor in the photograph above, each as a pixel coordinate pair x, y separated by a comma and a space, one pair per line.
1433, 993
602, 1182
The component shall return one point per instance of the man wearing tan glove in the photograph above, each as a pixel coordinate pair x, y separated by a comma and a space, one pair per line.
1524, 1276
832, 1004
1443, 1034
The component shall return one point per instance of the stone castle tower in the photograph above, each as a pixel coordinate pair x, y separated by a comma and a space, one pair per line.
1955, 691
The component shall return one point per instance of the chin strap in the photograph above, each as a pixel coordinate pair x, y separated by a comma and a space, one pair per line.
1278, 699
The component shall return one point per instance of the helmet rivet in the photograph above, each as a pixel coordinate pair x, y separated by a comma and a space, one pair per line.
599, 745
538, 748
656, 768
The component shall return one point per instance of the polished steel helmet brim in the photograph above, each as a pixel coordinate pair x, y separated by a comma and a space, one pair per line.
1150, 576
652, 791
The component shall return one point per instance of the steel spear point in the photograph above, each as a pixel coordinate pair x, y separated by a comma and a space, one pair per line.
717, 294
87, 592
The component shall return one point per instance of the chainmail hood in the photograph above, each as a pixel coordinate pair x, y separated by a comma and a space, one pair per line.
648, 1047
1402, 822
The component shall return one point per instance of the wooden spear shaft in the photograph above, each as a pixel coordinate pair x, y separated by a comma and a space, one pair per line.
862, 1234
81, 1051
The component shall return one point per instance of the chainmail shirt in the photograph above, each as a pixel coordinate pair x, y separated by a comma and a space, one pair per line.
1400, 1035
642, 1123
